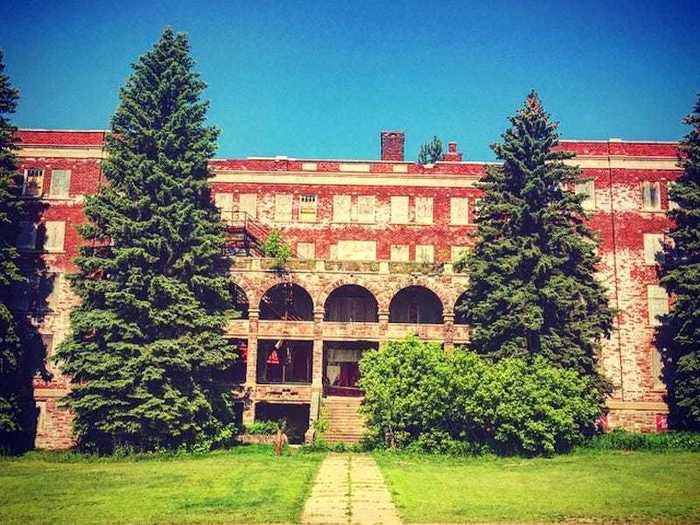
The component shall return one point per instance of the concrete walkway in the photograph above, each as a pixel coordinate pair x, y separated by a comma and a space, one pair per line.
349, 490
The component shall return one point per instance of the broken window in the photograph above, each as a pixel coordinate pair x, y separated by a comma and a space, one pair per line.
284, 361
33, 183
341, 371
307, 208
651, 196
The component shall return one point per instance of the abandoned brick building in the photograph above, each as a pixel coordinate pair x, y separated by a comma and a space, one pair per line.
373, 243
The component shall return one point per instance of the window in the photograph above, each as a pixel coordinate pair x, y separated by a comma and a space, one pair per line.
424, 210
306, 250
283, 207
651, 196
399, 210
42, 419
224, 201
458, 252
653, 248
341, 208
26, 238
459, 210
356, 250
60, 183
657, 368
55, 233
365, 208
33, 184
657, 302
248, 204
307, 208
587, 189
424, 253
399, 252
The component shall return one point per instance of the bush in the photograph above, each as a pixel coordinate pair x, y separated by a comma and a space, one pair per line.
264, 428
660, 442
418, 396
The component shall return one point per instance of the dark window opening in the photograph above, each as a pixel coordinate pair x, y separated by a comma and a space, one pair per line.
341, 371
460, 315
286, 302
239, 366
416, 305
295, 417
284, 361
351, 303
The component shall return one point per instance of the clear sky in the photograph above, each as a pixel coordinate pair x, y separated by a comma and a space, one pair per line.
321, 79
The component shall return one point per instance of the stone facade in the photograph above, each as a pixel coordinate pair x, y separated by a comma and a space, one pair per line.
375, 242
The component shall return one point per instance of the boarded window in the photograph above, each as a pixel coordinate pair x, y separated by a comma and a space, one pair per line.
341, 208
365, 208
653, 248
26, 237
657, 302
357, 250
55, 233
306, 250
307, 208
424, 210
248, 204
224, 201
283, 207
60, 183
459, 210
33, 185
587, 189
399, 210
458, 252
41, 417
651, 196
399, 252
424, 253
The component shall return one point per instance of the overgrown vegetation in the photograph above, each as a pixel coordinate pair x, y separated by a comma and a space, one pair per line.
146, 351
430, 152
679, 335
532, 290
264, 428
276, 248
419, 397
657, 442
11, 418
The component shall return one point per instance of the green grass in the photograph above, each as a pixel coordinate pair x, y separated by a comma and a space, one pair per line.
243, 485
608, 486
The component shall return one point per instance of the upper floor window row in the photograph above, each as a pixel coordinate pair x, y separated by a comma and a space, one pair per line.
33, 183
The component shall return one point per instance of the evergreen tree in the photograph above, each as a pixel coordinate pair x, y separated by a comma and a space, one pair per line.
680, 332
146, 351
532, 288
430, 152
10, 347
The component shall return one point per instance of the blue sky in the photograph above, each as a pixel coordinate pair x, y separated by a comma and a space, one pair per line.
321, 79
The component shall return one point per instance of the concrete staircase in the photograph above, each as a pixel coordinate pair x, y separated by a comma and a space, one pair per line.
345, 424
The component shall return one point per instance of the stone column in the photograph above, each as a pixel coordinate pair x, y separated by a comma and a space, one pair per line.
448, 320
317, 361
252, 365
383, 325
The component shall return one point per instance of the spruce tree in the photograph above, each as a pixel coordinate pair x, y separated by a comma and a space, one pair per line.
430, 152
532, 288
10, 209
680, 331
146, 352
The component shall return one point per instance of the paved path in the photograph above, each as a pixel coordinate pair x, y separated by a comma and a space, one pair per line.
349, 490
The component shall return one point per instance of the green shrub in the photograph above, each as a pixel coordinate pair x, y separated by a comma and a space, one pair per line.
265, 428
658, 442
417, 396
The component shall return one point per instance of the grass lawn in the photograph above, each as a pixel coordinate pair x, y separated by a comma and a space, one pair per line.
603, 486
243, 485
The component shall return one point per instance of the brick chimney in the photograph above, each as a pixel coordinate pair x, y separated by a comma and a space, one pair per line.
392, 145
452, 154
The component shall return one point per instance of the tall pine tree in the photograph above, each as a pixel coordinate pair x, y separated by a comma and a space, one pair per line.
532, 289
680, 331
10, 346
146, 351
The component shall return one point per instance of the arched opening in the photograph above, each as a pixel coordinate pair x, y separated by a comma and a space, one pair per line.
415, 304
351, 303
286, 302
240, 301
460, 315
